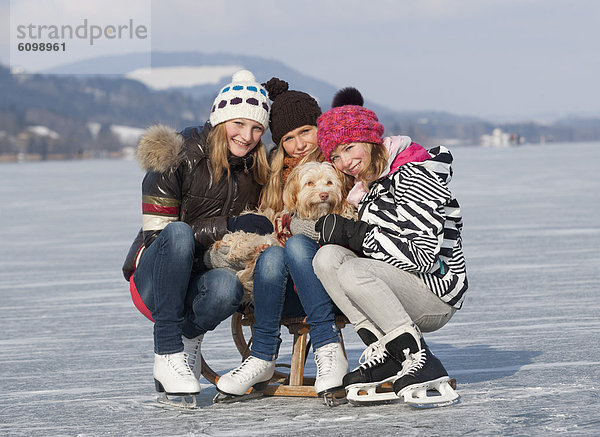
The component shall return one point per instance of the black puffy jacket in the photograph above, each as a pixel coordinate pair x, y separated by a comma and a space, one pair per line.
179, 186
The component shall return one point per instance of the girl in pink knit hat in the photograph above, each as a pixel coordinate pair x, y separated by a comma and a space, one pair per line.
398, 270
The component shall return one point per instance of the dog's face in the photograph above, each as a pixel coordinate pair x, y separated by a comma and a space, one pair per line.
313, 190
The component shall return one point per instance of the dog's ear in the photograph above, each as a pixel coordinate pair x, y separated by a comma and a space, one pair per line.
290, 191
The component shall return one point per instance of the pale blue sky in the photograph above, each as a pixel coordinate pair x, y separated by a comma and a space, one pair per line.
508, 58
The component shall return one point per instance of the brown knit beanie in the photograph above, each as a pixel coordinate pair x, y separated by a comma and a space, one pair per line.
290, 109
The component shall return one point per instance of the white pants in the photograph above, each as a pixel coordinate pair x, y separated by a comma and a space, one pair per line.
378, 296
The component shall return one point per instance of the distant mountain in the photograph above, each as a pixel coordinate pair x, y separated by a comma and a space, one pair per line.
264, 69
103, 99
87, 113
84, 112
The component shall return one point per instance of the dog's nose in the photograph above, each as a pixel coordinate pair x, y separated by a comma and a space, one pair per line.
324, 196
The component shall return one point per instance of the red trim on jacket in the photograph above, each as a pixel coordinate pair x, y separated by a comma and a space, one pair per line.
158, 209
137, 300
135, 295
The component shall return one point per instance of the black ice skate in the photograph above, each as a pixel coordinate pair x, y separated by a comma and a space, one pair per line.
424, 382
370, 383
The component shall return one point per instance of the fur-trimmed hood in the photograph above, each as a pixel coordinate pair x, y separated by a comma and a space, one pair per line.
160, 149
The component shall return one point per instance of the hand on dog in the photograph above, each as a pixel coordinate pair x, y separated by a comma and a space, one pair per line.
331, 230
335, 229
262, 247
252, 223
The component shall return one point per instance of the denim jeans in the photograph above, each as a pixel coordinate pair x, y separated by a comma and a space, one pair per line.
378, 296
277, 271
182, 302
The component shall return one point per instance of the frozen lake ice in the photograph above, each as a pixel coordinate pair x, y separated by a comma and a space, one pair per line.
76, 357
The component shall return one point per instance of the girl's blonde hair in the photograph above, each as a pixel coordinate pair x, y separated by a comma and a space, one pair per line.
218, 150
272, 193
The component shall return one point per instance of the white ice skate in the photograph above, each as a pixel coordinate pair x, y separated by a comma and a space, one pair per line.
234, 385
374, 377
191, 348
332, 366
173, 377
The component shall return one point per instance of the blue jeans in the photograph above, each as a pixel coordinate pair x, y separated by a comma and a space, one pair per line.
277, 270
180, 301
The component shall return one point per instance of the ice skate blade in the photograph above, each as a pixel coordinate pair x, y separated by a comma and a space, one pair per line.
433, 404
370, 395
254, 392
225, 398
180, 402
433, 394
333, 397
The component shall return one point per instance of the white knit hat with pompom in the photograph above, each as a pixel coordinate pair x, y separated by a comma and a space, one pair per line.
242, 98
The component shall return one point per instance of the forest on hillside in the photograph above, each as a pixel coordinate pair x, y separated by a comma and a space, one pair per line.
74, 116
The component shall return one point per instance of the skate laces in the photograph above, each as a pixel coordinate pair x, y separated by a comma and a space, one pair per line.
413, 362
179, 363
325, 358
249, 368
374, 354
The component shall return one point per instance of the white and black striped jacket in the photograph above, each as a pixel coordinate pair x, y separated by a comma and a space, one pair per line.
418, 224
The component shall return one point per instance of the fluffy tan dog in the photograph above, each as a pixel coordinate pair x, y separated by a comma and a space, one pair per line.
312, 190
239, 251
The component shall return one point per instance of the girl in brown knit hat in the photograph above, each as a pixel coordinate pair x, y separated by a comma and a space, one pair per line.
285, 284
293, 126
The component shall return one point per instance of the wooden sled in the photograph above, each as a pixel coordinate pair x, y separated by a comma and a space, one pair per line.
284, 383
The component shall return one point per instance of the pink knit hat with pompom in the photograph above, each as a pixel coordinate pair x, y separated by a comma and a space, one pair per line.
347, 122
